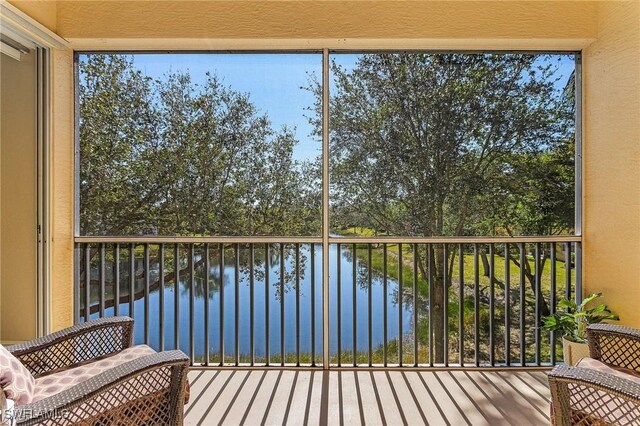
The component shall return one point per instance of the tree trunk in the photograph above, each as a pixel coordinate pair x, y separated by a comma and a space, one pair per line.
544, 308
486, 269
438, 290
529, 275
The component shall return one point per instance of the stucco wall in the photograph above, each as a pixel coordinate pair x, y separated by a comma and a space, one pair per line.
62, 181
326, 19
43, 11
18, 198
612, 160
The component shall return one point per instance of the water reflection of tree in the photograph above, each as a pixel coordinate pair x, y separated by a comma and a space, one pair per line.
365, 276
247, 265
216, 276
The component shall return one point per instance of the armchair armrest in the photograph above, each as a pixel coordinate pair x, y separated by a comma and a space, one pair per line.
74, 345
148, 390
582, 394
615, 345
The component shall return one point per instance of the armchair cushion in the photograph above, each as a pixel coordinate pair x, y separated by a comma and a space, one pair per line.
52, 384
594, 364
16, 381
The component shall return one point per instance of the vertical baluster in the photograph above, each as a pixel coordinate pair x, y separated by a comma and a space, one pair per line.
87, 284
236, 299
567, 270
492, 296
522, 305
552, 302
415, 306
354, 311
461, 305
339, 303
400, 294
445, 311
132, 279
313, 304
161, 298
297, 275
369, 302
252, 342
282, 292
207, 273
116, 280
384, 303
176, 294
146, 294
267, 264
430, 295
102, 279
578, 269
192, 297
537, 264
507, 305
221, 284
77, 277
476, 305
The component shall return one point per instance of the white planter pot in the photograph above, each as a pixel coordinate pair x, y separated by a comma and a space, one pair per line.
573, 351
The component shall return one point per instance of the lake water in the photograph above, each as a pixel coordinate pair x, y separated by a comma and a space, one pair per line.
306, 332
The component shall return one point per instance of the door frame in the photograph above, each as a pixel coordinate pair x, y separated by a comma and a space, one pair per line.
34, 36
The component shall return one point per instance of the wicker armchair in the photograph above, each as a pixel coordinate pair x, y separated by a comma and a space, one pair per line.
147, 390
609, 395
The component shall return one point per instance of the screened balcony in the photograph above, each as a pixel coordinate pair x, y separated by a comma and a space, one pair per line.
320, 311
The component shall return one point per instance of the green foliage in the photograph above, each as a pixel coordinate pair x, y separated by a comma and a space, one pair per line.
170, 157
451, 144
572, 322
421, 144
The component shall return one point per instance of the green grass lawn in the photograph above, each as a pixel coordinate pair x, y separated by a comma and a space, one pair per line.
468, 277
468, 265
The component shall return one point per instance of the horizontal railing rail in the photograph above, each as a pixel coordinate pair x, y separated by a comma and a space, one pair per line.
318, 240
393, 301
197, 240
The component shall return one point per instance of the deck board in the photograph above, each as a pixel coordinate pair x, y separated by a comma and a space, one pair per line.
380, 397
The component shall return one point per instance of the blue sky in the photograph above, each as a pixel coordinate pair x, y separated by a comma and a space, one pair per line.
275, 81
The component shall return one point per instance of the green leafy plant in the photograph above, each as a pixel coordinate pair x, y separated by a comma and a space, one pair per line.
573, 321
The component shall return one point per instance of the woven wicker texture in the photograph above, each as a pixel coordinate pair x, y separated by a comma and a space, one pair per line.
593, 403
149, 390
80, 343
615, 345
142, 399
587, 397
146, 391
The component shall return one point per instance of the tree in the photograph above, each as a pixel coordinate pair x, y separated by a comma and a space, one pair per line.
169, 157
418, 139
117, 126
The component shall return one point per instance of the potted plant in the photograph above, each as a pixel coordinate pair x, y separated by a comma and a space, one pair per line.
572, 322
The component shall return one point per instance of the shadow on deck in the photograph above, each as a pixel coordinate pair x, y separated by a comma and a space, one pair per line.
377, 397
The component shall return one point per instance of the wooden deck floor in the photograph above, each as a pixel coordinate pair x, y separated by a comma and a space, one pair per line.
275, 397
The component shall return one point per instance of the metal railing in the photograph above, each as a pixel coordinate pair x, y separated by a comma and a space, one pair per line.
403, 302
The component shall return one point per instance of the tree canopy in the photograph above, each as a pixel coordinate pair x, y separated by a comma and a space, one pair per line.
451, 144
420, 144
169, 157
